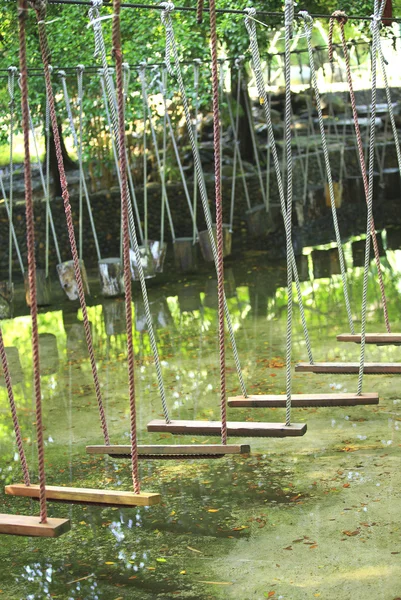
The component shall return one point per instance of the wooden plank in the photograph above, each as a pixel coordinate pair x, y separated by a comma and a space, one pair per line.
338, 368
172, 450
32, 527
85, 495
303, 400
381, 339
234, 428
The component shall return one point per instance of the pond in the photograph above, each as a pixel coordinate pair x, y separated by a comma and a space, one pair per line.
300, 518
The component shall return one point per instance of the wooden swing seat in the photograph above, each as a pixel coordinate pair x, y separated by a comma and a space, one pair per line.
380, 339
85, 495
32, 527
169, 452
303, 400
234, 428
338, 368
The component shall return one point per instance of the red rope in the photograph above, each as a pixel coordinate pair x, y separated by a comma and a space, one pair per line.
40, 7
30, 235
219, 218
199, 11
126, 239
17, 430
342, 19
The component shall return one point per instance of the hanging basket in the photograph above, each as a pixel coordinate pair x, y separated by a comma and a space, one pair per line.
111, 277
114, 317
67, 279
6, 299
258, 221
206, 247
43, 289
185, 255
158, 251
147, 262
338, 194
14, 366
49, 360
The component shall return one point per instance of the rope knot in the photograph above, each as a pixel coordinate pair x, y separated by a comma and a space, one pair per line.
62, 74
340, 16
305, 16
342, 19
251, 11
80, 68
167, 6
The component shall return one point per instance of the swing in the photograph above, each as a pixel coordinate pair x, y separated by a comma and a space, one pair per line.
69, 494
18, 524
299, 400
362, 367
239, 429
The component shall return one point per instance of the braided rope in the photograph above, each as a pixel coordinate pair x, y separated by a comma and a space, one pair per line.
126, 239
10, 86
375, 27
16, 244
80, 72
30, 236
40, 13
171, 45
199, 11
257, 69
47, 194
17, 429
308, 26
341, 18
100, 47
219, 218
195, 133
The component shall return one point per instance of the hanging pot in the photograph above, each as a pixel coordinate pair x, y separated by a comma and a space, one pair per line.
6, 299
114, 317
68, 282
338, 194
188, 298
14, 366
206, 247
258, 221
185, 255
43, 288
147, 262
49, 361
158, 251
111, 277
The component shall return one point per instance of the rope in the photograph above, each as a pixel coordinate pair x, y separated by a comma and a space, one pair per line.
289, 17
199, 11
78, 145
17, 430
195, 131
342, 19
40, 8
219, 218
80, 72
145, 169
100, 47
171, 44
17, 248
257, 69
255, 146
126, 239
47, 194
375, 27
308, 26
30, 235
11, 85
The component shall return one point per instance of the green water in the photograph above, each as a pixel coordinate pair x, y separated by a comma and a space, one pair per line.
309, 517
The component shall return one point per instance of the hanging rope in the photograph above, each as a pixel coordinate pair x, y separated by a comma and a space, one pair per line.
30, 235
80, 99
308, 26
17, 430
341, 18
257, 69
16, 245
197, 62
171, 46
49, 217
375, 28
219, 218
40, 8
199, 11
11, 86
118, 57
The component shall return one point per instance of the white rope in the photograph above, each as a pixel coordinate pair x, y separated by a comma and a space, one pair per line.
12, 71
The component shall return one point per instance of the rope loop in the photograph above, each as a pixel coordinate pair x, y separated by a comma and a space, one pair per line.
341, 18
168, 8
308, 23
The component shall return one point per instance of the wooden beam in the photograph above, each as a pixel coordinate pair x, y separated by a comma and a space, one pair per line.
85, 495
380, 339
170, 451
303, 400
32, 527
234, 428
338, 368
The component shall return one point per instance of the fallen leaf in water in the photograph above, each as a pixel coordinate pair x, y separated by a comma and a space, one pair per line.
346, 485
194, 550
183, 572
351, 533
288, 548
313, 546
133, 577
109, 563
213, 510
216, 582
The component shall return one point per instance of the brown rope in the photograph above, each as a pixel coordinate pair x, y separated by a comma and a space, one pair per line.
219, 218
17, 430
199, 12
118, 57
40, 7
30, 238
342, 19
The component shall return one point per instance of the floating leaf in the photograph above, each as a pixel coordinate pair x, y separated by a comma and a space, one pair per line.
194, 550
109, 562
161, 560
213, 510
